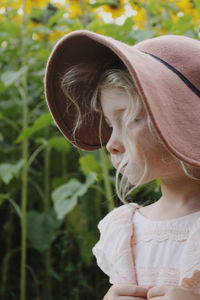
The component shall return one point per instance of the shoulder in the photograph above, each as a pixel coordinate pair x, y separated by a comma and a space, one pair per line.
119, 215
113, 251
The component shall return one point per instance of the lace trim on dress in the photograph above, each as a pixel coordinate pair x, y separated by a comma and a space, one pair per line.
162, 235
148, 230
114, 256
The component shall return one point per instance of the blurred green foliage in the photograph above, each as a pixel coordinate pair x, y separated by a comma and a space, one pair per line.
60, 193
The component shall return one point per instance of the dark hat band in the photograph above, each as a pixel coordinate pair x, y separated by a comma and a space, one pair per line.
180, 75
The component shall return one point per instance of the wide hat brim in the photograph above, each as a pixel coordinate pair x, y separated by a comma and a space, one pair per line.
166, 72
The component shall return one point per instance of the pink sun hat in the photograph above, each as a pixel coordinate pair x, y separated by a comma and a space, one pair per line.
166, 72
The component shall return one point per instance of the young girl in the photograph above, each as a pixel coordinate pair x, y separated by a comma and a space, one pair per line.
143, 103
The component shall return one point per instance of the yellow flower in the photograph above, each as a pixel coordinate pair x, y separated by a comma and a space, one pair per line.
196, 17
55, 35
75, 9
185, 5
160, 31
100, 31
140, 18
35, 3
174, 16
116, 8
28, 3
13, 4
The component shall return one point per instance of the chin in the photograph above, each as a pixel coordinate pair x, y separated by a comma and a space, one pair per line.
136, 179
134, 174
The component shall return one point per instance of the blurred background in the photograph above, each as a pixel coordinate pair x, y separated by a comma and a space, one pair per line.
52, 196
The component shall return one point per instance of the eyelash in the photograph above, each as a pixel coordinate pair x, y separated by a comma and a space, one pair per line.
135, 120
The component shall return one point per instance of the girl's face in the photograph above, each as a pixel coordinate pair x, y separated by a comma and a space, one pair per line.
114, 102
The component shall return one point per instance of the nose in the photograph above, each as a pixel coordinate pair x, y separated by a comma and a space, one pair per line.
114, 144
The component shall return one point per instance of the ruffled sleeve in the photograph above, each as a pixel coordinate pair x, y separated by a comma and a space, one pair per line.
190, 271
113, 250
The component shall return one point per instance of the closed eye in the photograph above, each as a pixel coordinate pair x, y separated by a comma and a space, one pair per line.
116, 116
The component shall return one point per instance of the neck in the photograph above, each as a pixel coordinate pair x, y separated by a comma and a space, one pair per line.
182, 194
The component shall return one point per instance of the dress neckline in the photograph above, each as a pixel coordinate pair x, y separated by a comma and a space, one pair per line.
188, 216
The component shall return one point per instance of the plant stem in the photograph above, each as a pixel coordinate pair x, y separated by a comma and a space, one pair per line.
47, 255
25, 170
23, 210
46, 178
83, 15
64, 165
148, 23
107, 184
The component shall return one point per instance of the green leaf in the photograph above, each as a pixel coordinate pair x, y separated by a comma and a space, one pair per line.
60, 144
6, 197
91, 178
158, 185
15, 205
56, 17
169, 6
1, 135
43, 121
12, 29
42, 229
2, 87
35, 14
127, 26
100, 3
3, 197
43, 29
197, 5
66, 196
89, 164
11, 77
182, 25
140, 35
8, 171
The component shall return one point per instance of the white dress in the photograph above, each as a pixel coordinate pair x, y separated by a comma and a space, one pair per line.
135, 250
159, 248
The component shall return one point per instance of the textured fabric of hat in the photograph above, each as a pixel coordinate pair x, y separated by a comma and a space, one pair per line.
166, 72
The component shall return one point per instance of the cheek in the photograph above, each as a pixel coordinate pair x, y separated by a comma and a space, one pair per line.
140, 138
145, 143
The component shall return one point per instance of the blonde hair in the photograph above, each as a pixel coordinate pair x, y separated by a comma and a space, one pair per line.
113, 77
